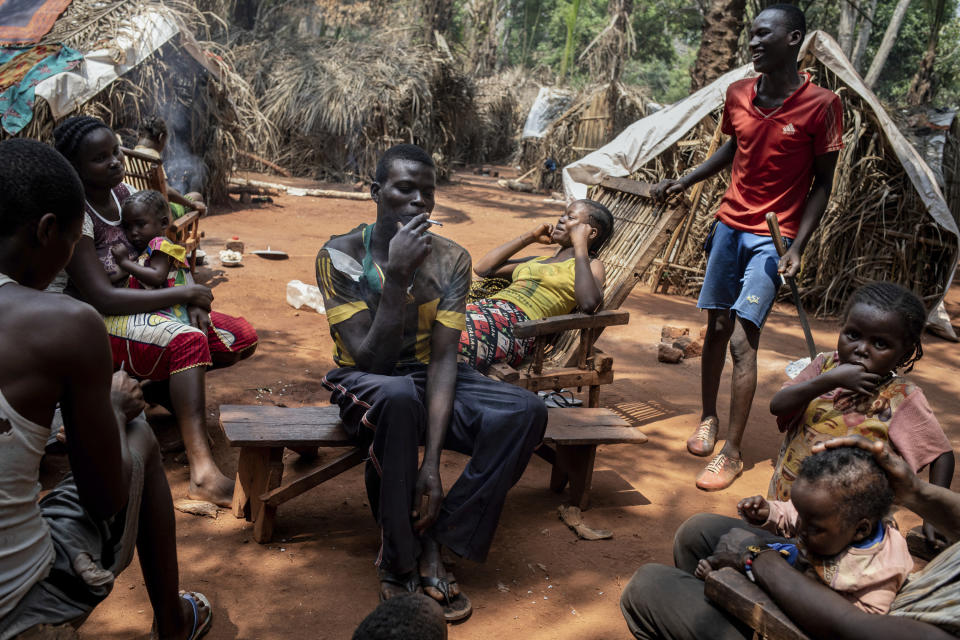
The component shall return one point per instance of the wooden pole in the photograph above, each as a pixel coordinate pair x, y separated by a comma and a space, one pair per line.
298, 191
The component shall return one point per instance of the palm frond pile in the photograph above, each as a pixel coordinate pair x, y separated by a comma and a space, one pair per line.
341, 103
499, 119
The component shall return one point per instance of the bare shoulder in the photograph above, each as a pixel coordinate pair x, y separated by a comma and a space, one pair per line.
49, 320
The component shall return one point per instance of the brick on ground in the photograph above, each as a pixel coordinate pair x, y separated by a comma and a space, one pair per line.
668, 334
668, 353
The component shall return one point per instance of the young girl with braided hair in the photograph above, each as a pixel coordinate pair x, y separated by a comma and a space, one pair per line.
856, 390
156, 262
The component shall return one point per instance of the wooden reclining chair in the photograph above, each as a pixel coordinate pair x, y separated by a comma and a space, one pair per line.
146, 172
641, 227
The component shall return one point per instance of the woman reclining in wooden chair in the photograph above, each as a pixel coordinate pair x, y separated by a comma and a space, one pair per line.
541, 286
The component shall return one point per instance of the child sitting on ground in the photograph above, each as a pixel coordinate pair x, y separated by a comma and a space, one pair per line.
856, 391
160, 262
836, 514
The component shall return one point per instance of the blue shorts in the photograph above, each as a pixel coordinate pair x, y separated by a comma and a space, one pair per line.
741, 273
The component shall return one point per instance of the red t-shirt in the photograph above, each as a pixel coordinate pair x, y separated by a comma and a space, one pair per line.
773, 166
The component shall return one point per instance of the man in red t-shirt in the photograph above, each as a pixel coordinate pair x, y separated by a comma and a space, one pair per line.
785, 135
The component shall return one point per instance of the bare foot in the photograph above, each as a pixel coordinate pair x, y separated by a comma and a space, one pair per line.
213, 487
703, 569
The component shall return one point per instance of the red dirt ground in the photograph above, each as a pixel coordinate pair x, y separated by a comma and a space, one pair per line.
317, 579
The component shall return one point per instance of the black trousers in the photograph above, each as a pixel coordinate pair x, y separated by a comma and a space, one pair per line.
669, 603
496, 424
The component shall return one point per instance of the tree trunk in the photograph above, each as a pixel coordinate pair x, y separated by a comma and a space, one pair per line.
921, 87
848, 20
722, 25
863, 36
889, 38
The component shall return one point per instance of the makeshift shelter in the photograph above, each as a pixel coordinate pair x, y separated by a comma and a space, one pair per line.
141, 59
341, 102
596, 115
887, 218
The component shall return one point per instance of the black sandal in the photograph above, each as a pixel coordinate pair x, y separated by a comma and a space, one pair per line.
456, 608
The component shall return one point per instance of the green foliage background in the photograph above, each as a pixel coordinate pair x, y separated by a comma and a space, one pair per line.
668, 34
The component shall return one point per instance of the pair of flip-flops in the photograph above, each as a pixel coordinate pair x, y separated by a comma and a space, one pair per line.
455, 607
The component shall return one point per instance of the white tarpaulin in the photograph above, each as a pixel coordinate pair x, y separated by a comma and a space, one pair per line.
548, 106
137, 40
647, 138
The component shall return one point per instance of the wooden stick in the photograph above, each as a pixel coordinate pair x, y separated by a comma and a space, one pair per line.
774, 226
527, 174
298, 191
265, 162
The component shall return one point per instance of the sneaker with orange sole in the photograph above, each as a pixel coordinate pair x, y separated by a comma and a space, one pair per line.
719, 473
704, 439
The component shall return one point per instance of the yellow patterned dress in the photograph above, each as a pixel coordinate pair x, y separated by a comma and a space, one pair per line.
897, 412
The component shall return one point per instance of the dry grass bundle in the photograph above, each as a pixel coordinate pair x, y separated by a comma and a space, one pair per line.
875, 228
341, 103
596, 117
498, 122
210, 118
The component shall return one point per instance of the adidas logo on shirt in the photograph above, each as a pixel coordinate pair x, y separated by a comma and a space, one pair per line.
789, 130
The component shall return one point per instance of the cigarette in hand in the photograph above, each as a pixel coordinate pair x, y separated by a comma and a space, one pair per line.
436, 222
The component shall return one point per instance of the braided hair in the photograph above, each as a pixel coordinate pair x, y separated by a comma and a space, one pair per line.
861, 486
890, 297
69, 134
152, 201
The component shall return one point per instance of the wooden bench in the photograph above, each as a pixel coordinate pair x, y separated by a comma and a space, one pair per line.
262, 432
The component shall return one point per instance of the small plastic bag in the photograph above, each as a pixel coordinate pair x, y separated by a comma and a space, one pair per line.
300, 295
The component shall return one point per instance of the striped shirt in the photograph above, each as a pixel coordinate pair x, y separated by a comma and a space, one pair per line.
438, 293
